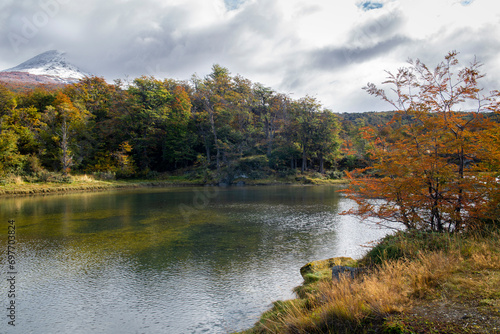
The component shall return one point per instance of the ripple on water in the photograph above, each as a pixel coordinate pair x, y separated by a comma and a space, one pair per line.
157, 273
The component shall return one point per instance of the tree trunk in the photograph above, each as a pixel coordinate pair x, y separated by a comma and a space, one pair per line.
66, 157
321, 164
216, 141
304, 160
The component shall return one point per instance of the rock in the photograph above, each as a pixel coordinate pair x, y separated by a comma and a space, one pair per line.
322, 265
346, 271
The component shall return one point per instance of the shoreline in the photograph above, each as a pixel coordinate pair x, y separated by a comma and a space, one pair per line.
411, 282
47, 188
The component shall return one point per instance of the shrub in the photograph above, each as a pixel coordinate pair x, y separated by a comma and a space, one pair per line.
335, 174
104, 176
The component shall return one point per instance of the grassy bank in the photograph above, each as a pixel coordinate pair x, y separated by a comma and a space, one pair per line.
415, 283
16, 185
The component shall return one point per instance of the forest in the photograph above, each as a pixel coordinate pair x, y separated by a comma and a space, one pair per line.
216, 128
431, 165
434, 158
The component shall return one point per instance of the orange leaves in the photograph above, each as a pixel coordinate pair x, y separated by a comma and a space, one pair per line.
426, 164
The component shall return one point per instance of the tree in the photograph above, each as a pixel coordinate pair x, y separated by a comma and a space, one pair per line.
7, 101
316, 132
63, 124
179, 139
11, 161
215, 107
147, 118
429, 169
305, 111
326, 142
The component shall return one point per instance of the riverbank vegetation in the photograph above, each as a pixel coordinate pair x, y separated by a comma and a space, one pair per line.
59, 183
416, 282
433, 169
217, 129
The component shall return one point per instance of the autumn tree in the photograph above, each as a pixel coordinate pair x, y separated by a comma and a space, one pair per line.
429, 168
63, 122
7, 101
179, 141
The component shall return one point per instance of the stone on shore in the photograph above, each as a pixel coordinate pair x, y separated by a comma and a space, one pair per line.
326, 265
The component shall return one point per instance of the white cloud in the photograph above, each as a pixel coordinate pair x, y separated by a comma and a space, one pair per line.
329, 49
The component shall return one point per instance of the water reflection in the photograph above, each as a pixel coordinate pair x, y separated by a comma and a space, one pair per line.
180, 260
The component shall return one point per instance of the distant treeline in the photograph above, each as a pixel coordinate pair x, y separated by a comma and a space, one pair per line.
220, 126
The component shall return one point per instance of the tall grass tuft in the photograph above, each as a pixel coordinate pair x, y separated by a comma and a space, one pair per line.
405, 269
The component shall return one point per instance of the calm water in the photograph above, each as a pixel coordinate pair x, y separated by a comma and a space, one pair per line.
179, 260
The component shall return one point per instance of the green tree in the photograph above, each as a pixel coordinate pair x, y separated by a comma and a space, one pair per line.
11, 161
326, 141
160, 124
212, 110
7, 101
305, 115
147, 120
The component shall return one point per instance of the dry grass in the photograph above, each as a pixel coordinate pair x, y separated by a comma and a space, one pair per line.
347, 304
466, 270
83, 178
12, 179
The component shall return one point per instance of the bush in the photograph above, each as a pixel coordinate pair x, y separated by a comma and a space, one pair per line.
409, 245
251, 164
104, 176
288, 172
33, 166
335, 174
11, 179
46, 176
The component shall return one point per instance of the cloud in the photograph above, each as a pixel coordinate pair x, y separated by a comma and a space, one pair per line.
323, 48
334, 59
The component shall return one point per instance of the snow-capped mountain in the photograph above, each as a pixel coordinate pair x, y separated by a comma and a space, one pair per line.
52, 65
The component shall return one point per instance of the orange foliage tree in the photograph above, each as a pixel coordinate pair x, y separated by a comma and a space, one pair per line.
433, 170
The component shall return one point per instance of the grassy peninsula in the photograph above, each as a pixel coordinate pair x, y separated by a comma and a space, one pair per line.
416, 282
58, 183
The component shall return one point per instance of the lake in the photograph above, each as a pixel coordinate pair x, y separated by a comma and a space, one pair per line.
169, 260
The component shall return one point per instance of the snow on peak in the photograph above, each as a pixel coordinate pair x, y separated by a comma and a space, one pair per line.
51, 63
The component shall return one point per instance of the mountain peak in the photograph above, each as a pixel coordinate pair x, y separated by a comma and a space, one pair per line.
51, 63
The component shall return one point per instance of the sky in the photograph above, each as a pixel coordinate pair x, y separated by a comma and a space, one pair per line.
327, 49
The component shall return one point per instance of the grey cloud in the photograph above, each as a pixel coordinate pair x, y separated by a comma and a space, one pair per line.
336, 58
114, 38
376, 29
366, 41
167, 54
